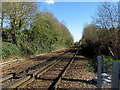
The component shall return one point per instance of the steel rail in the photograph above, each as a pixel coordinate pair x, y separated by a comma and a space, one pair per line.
58, 80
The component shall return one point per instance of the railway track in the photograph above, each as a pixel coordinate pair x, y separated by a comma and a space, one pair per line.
51, 78
57, 81
44, 68
32, 74
26, 69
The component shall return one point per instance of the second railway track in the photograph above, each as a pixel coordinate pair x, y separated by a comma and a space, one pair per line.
48, 74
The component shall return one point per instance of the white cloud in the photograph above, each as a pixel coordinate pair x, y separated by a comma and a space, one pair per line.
50, 1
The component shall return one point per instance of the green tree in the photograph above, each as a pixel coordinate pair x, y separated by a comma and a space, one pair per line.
18, 16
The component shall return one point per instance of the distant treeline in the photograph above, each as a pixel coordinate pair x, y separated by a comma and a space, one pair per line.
26, 30
102, 36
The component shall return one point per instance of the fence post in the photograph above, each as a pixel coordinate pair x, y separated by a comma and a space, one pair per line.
100, 60
115, 75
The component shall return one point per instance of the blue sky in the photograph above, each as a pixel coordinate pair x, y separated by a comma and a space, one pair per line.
74, 14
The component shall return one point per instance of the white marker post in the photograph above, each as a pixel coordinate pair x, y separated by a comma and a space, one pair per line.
115, 75
100, 60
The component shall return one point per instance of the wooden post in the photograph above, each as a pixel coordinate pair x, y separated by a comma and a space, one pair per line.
115, 75
100, 60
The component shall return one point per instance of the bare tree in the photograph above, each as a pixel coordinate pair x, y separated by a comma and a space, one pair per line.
107, 15
107, 18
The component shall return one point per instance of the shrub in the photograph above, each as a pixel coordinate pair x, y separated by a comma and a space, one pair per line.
9, 49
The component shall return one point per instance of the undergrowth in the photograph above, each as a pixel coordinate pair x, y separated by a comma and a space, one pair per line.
9, 49
91, 66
